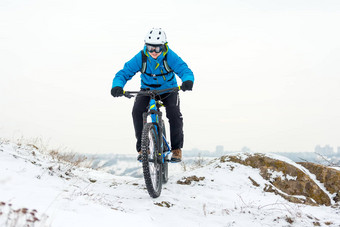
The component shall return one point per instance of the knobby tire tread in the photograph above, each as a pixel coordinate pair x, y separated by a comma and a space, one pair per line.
165, 167
145, 160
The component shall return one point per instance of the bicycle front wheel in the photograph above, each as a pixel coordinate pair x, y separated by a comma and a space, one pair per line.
152, 167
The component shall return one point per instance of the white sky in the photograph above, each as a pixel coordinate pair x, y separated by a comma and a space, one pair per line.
267, 72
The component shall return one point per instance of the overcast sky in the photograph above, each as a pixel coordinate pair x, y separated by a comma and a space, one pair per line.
267, 73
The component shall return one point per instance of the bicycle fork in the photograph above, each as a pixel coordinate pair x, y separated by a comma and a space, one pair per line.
156, 118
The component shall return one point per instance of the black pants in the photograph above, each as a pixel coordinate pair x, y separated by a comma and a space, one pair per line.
173, 113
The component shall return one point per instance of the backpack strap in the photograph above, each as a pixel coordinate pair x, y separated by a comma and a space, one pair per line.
144, 59
166, 66
144, 63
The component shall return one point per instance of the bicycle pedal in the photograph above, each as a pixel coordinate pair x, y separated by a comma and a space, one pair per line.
177, 161
167, 160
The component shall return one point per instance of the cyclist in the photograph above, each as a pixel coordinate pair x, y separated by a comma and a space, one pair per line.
161, 65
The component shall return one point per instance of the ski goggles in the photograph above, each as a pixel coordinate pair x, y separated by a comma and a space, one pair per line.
157, 49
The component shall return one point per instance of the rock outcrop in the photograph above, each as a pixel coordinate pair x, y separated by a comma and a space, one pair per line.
328, 176
287, 180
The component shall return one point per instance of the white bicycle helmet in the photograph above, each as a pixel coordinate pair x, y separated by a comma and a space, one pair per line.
155, 37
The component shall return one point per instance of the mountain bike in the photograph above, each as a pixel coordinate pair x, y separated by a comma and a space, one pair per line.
154, 145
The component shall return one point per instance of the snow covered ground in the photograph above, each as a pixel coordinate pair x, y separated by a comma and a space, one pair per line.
34, 186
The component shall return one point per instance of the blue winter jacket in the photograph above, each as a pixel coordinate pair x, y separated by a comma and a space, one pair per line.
155, 67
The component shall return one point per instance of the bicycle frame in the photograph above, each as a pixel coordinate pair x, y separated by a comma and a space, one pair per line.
156, 118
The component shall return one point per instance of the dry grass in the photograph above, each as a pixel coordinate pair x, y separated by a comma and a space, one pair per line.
199, 161
60, 154
12, 217
76, 160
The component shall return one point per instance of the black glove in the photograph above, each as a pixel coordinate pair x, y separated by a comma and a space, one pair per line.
117, 91
187, 85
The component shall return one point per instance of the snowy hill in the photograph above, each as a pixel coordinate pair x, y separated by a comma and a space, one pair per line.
37, 190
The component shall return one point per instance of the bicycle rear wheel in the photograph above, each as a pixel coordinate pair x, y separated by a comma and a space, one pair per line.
165, 164
152, 167
165, 172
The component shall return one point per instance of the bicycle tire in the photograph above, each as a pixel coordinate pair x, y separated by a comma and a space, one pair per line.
152, 167
165, 171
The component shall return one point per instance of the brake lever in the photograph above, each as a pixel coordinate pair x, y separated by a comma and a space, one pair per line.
127, 94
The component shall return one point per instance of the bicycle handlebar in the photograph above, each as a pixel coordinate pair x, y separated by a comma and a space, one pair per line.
130, 94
